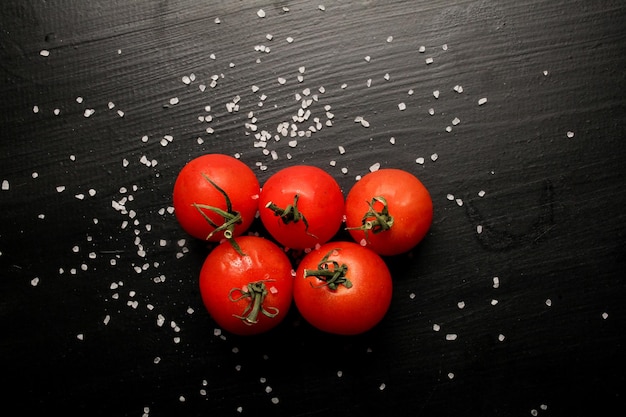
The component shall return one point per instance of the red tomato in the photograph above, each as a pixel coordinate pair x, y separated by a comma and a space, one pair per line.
301, 206
215, 197
389, 211
342, 288
247, 294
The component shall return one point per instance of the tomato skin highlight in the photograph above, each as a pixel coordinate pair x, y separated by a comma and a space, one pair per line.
408, 202
319, 199
234, 177
226, 274
344, 311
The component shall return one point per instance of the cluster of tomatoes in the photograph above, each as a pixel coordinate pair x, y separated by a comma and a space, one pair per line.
247, 282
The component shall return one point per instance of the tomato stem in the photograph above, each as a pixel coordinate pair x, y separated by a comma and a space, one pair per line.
373, 220
330, 272
231, 218
290, 214
256, 292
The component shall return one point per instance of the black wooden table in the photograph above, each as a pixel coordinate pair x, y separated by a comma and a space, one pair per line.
512, 113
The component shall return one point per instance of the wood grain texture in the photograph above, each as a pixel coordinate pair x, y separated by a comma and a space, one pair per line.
100, 311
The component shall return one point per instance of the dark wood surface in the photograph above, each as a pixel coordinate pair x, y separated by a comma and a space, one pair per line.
100, 313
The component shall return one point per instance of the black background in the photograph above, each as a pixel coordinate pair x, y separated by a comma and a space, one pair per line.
92, 325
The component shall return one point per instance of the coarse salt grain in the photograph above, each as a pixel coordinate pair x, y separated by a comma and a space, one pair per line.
44, 52
260, 13
496, 282
482, 101
451, 336
402, 106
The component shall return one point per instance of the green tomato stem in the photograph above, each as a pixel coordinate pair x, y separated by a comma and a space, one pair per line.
373, 220
290, 214
256, 292
231, 217
330, 272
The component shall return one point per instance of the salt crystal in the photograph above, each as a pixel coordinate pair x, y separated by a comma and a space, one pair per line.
429, 61
456, 121
260, 13
436, 327
479, 229
5, 185
382, 386
501, 337
434, 157
461, 304
402, 106
368, 58
34, 281
549, 302
450, 375
481, 193
436, 93
482, 101
375, 167
389, 39
422, 49
496, 282
570, 134
289, 39
451, 336
174, 101
88, 112
605, 315
44, 52
419, 160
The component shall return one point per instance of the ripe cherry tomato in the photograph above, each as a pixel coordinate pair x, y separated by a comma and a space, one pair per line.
301, 206
215, 197
342, 288
389, 211
247, 294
